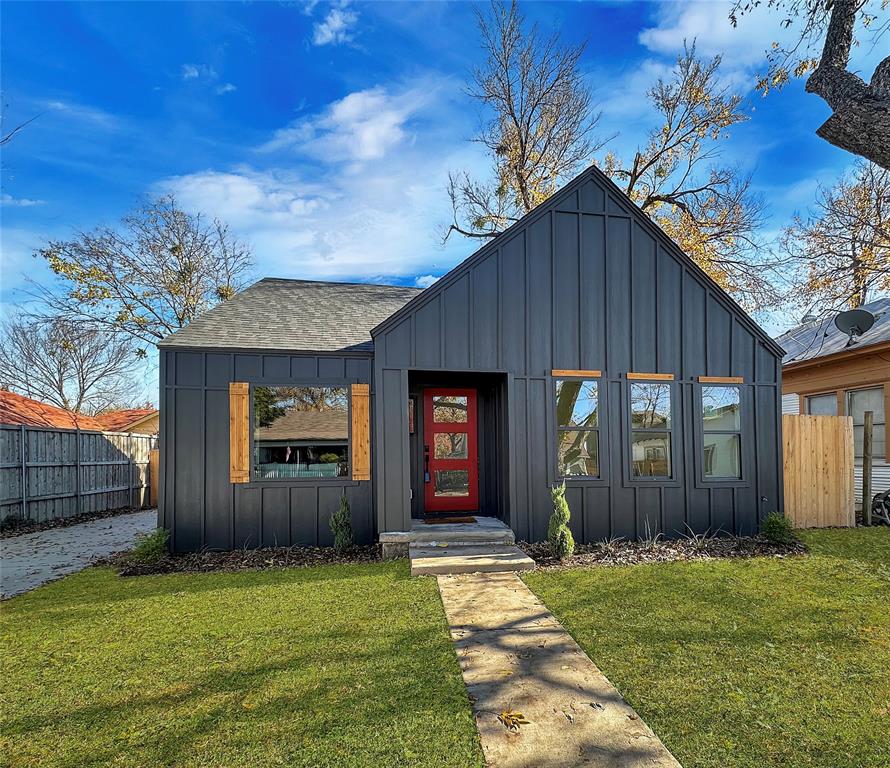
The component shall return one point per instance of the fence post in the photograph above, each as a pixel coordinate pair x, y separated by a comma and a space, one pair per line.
78, 491
867, 450
130, 459
24, 475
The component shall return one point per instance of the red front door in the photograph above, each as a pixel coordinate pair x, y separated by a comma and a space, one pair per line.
450, 464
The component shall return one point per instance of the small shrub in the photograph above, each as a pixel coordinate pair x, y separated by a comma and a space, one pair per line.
777, 529
341, 525
329, 458
150, 547
559, 537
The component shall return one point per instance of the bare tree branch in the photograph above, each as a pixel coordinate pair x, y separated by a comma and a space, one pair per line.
68, 364
540, 129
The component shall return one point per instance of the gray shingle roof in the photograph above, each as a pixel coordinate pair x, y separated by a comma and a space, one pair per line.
821, 337
296, 315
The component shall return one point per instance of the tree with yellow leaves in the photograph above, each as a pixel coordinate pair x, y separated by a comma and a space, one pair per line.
148, 278
840, 252
708, 210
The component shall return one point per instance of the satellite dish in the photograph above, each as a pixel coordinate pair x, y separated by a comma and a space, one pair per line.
854, 322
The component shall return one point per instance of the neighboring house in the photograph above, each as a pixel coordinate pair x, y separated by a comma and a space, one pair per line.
579, 345
17, 410
821, 375
144, 421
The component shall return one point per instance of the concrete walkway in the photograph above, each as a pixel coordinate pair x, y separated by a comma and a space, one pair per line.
516, 656
32, 559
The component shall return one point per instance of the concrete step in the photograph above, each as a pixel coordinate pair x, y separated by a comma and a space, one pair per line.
459, 533
479, 558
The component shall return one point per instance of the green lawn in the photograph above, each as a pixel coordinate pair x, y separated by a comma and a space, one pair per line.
326, 666
758, 662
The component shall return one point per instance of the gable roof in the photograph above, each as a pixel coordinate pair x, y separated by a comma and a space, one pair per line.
18, 409
119, 421
821, 337
591, 173
294, 425
295, 315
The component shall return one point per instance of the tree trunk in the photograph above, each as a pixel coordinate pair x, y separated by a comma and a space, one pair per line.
861, 120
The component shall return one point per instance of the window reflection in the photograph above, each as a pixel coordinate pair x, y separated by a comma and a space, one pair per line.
300, 432
449, 409
650, 405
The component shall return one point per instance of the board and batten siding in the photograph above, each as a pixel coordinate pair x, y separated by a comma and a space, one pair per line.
198, 503
586, 282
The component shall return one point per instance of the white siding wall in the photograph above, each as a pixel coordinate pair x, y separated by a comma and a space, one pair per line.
791, 404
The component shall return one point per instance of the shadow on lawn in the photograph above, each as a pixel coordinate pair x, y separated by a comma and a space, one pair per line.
372, 697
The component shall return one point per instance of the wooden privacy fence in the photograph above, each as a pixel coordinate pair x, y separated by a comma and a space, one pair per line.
818, 464
50, 473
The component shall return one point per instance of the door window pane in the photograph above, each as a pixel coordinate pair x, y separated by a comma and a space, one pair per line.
449, 409
300, 432
650, 405
576, 403
651, 454
451, 445
452, 482
722, 456
822, 405
720, 408
577, 453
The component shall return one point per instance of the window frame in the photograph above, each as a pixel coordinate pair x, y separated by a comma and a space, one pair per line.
832, 393
317, 384
882, 388
556, 476
744, 431
676, 477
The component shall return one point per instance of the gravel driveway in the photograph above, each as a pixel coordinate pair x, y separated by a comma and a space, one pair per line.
32, 559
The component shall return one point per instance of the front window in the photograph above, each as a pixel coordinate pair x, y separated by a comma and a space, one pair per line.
721, 432
577, 425
300, 432
822, 405
651, 424
858, 402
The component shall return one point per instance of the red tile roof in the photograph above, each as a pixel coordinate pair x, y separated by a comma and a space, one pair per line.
118, 421
18, 409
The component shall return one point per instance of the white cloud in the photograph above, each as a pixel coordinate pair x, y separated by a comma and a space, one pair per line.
425, 281
225, 88
743, 47
362, 126
336, 27
18, 202
81, 113
198, 71
308, 213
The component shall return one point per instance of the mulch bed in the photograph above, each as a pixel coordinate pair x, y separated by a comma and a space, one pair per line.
246, 559
666, 551
15, 526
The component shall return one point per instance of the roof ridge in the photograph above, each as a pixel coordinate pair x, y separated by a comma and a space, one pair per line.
334, 282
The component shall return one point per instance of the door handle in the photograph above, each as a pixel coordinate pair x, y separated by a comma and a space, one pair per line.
426, 463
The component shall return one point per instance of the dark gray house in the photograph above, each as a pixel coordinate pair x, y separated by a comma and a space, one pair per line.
581, 344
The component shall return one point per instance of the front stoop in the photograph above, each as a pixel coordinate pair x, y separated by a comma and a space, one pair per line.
467, 558
484, 546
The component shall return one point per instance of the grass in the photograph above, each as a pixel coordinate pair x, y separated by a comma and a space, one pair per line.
759, 662
324, 666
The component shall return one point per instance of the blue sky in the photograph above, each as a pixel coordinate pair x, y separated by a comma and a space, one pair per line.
323, 133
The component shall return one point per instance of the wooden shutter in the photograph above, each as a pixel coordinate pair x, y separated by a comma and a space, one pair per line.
239, 432
361, 432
